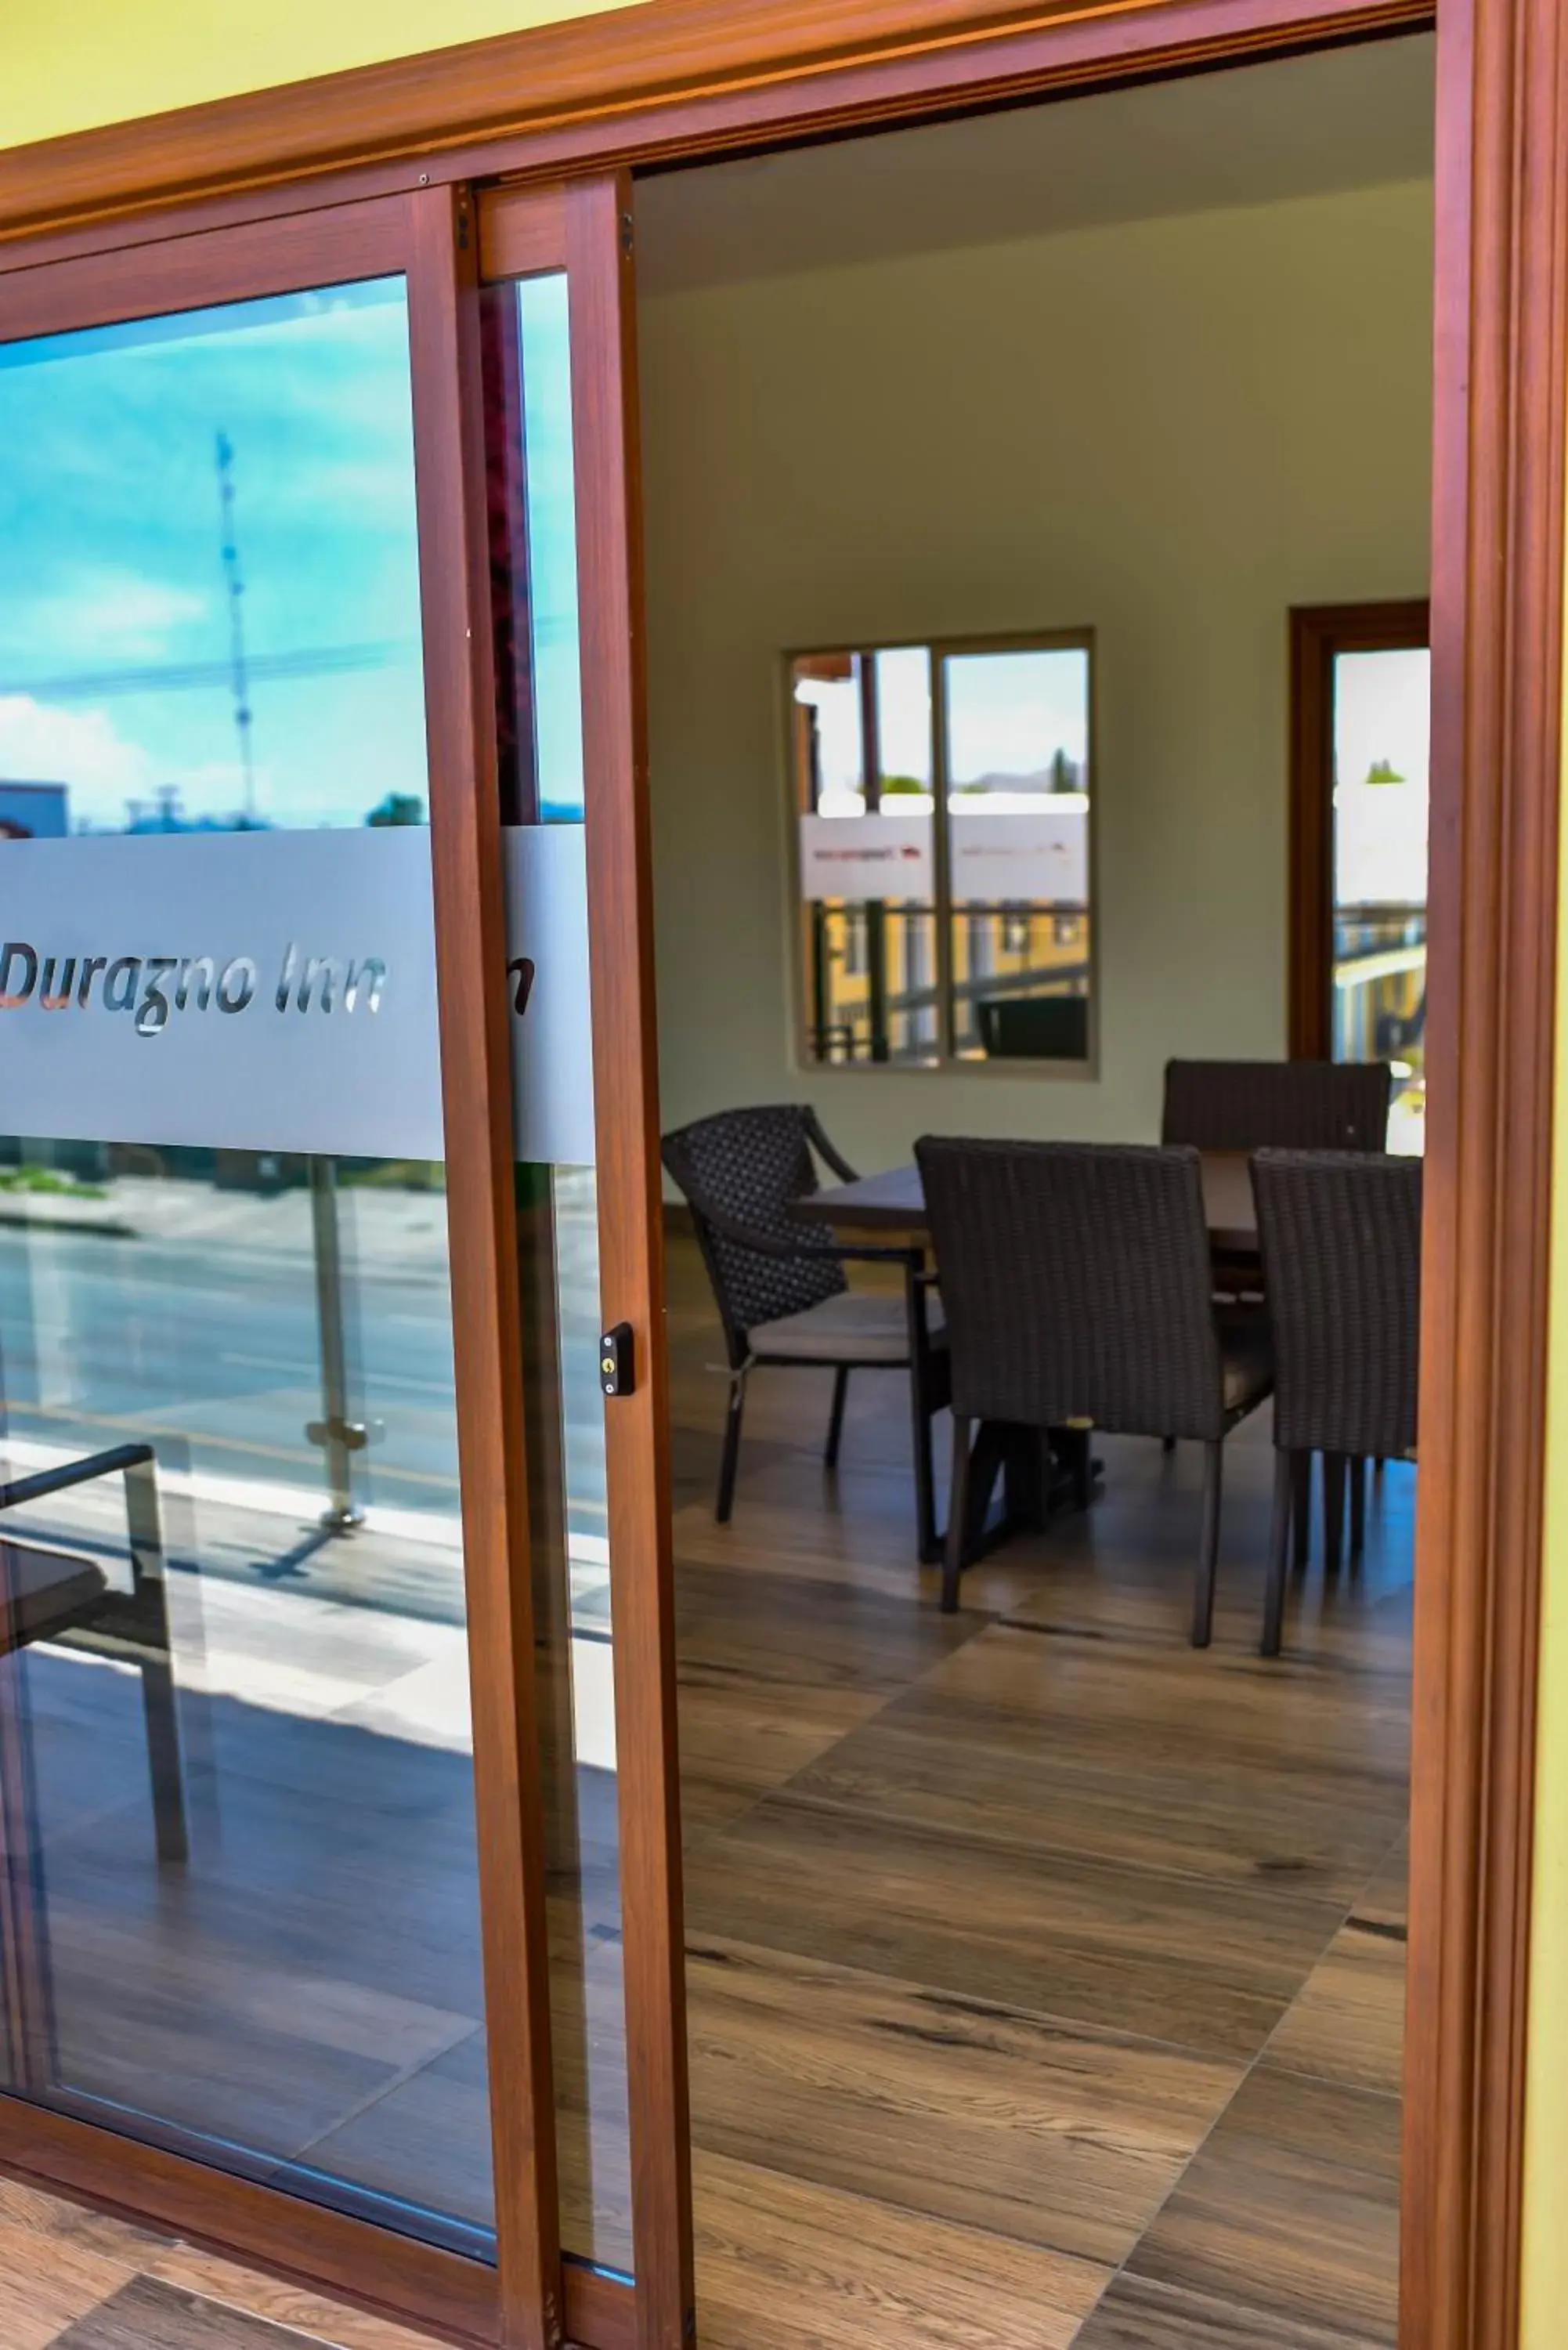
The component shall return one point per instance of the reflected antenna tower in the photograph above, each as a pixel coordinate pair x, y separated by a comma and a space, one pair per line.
238, 676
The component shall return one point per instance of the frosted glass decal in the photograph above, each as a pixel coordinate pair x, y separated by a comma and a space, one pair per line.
276, 992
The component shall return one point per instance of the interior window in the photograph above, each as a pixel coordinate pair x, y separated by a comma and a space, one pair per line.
942, 800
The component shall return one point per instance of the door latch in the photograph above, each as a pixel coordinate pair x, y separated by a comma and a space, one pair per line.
618, 1369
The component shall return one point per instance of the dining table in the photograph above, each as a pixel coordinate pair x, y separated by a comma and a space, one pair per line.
1037, 1478
893, 1201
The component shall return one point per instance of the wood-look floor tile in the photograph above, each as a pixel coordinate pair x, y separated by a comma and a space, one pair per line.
44, 2290
1092, 1747
184, 2268
1204, 1965
1137, 2315
1347, 2024
737, 1744
32, 2210
1290, 2210
783, 2265
927, 2102
147, 2314
1125, 1564
745, 1622
51, 2272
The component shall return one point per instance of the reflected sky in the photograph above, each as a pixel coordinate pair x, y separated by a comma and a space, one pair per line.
115, 611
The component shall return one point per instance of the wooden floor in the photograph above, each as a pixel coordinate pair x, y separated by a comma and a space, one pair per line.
1045, 1977
74, 2280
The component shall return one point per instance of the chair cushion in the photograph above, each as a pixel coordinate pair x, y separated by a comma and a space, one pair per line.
43, 1592
857, 1327
1246, 1356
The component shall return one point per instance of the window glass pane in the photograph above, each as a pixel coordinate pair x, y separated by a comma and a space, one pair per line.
1018, 785
235, 1769
861, 742
527, 331
1382, 740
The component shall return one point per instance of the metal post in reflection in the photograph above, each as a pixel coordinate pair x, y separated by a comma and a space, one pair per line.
339, 1436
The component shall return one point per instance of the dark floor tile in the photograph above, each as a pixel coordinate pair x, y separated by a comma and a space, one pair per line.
1291, 2212
147, 2315
1137, 2315
1202, 1965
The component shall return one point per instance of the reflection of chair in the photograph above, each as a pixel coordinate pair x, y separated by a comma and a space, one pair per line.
1276, 1105
48, 1594
780, 1289
1034, 1027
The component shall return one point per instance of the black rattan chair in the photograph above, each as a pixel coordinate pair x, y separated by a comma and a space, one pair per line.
1076, 1285
1276, 1105
780, 1288
1341, 1233
63, 1598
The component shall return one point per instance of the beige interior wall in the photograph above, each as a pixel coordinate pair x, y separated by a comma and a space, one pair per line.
1170, 430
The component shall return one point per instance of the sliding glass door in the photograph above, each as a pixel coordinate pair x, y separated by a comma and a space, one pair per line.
319, 1523
559, 399
235, 1678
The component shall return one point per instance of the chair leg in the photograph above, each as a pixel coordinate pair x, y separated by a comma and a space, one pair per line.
1083, 1467
1285, 1490
1209, 1546
927, 1541
1358, 1507
1333, 1469
957, 1516
27, 2011
730, 1458
836, 1417
161, 1718
1168, 1443
159, 1706
1301, 1477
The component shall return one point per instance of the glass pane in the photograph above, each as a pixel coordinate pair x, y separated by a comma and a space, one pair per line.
1018, 789
861, 742
1382, 744
528, 373
235, 1775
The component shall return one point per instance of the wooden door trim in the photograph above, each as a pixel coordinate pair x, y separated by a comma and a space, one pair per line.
1501, 344
487, 1339
1319, 631
660, 78
522, 231
605, 430
245, 260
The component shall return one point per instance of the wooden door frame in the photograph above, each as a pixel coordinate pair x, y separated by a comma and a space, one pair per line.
681, 79
1319, 632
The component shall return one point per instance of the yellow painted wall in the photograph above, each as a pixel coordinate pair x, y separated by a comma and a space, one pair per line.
70, 65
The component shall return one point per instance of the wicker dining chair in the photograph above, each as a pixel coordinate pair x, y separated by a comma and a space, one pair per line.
50, 1593
780, 1285
1283, 1104
1341, 1235
1076, 1285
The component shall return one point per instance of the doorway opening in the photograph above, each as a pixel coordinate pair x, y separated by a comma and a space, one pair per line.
1046, 1970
